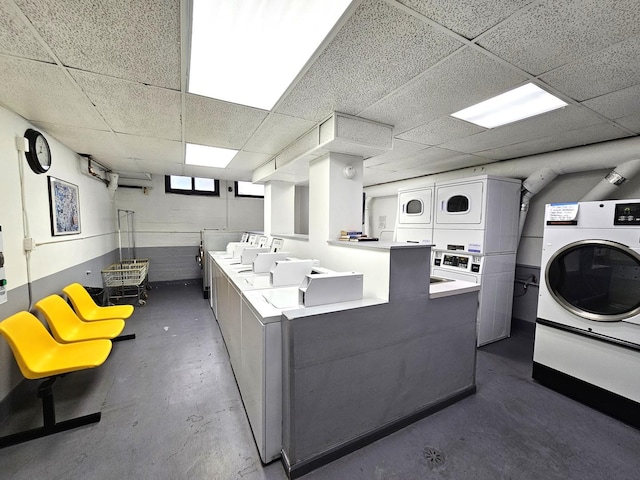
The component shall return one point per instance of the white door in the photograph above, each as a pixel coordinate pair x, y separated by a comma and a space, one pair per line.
414, 206
459, 204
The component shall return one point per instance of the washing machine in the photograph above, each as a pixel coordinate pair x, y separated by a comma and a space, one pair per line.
414, 219
477, 214
495, 274
587, 341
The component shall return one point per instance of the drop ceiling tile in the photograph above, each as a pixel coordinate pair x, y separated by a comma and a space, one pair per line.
440, 131
559, 141
433, 157
606, 71
401, 149
460, 81
248, 160
158, 167
632, 122
84, 140
276, 132
134, 108
152, 149
617, 104
556, 32
221, 124
568, 118
40, 92
378, 49
219, 173
117, 164
138, 41
468, 18
16, 39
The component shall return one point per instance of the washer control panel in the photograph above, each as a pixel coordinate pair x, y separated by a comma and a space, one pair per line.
627, 214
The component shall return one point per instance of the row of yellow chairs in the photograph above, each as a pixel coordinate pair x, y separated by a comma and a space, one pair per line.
80, 338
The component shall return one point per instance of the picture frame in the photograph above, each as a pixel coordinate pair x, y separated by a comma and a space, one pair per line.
64, 207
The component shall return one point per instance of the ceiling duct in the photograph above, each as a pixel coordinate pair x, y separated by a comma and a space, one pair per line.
93, 169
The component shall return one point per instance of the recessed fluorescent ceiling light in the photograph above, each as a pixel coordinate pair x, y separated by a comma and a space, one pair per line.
208, 156
522, 102
249, 51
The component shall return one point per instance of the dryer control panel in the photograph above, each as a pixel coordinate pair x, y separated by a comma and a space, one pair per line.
468, 263
627, 214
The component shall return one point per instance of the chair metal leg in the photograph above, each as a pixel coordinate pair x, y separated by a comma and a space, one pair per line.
121, 338
45, 391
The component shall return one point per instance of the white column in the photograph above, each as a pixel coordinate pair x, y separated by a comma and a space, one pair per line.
279, 207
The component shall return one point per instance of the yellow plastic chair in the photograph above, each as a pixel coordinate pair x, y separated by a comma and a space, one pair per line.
40, 356
87, 309
67, 327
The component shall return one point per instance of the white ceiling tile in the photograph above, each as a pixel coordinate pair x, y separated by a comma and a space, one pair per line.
377, 50
568, 118
117, 164
559, 141
160, 167
134, 108
556, 32
248, 161
276, 132
430, 158
83, 140
16, 39
137, 41
219, 173
468, 18
617, 104
41, 92
440, 131
632, 122
401, 148
153, 149
460, 81
220, 124
614, 68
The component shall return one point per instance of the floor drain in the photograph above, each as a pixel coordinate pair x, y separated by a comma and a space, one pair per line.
435, 458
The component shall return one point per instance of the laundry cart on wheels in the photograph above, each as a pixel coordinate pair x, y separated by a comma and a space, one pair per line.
127, 278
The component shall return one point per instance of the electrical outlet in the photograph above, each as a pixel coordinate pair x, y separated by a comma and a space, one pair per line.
382, 221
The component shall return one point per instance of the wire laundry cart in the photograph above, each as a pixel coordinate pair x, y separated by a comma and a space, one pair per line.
129, 277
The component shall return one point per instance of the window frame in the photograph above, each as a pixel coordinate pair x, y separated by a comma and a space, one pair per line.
193, 191
235, 191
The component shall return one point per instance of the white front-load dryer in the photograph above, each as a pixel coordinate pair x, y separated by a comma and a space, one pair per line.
587, 341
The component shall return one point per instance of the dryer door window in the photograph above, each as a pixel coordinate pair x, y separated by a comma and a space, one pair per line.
596, 280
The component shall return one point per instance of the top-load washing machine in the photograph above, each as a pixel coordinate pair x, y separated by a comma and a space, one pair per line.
477, 215
414, 219
587, 343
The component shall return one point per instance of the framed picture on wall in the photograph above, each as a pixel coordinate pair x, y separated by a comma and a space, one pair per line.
64, 205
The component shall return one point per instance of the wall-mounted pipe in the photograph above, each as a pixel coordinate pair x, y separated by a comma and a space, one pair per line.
530, 187
610, 183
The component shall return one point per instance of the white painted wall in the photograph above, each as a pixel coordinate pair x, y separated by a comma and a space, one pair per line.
52, 254
168, 220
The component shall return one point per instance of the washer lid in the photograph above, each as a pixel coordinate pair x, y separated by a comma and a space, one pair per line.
596, 279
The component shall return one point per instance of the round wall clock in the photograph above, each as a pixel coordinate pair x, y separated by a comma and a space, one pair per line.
39, 154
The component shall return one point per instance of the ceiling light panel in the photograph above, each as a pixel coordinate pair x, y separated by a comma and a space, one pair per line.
517, 104
205, 156
249, 52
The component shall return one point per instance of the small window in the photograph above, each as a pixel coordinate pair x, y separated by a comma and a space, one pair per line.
414, 207
191, 185
248, 189
458, 204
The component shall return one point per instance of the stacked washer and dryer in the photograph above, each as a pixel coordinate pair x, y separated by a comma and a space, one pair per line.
473, 225
587, 343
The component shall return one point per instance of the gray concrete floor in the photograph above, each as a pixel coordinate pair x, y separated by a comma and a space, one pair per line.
171, 410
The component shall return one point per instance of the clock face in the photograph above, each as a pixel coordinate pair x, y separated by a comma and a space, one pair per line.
42, 152
39, 154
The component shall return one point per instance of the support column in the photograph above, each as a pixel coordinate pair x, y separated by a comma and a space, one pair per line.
335, 200
279, 207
